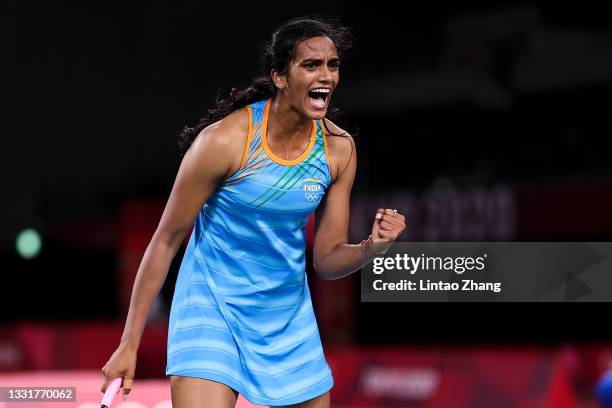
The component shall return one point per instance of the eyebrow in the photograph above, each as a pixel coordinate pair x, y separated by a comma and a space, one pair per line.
319, 60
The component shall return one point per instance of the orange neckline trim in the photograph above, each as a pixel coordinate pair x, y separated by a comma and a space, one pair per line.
269, 151
249, 136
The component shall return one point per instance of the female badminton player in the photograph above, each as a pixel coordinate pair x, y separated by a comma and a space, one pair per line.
242, 319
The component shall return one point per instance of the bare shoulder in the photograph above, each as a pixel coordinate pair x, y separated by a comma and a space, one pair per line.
226, 133
224, 140
340, 146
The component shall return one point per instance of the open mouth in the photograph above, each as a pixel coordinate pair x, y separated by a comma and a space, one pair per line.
318, 96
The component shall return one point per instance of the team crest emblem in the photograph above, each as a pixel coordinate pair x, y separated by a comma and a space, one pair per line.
313, 189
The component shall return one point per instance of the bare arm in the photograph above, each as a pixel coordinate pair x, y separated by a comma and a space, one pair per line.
207, 162
333, 256
214, 154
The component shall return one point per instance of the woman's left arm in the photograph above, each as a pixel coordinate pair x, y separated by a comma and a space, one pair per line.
333, 256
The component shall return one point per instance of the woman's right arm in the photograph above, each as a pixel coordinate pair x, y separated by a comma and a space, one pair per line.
214, 155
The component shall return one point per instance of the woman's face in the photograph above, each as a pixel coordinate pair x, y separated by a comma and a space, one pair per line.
312, 76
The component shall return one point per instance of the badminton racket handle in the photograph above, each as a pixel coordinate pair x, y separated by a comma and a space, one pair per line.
110, 393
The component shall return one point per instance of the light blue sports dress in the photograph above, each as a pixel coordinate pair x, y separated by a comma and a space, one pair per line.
241, 313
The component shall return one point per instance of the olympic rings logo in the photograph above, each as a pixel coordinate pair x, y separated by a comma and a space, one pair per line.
311, 196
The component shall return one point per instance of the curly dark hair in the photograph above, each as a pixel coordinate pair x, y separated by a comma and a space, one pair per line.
277, 54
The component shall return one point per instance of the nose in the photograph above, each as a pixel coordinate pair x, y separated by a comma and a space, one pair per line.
325, 74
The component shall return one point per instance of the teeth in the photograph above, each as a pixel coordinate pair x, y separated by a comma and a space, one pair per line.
321, 90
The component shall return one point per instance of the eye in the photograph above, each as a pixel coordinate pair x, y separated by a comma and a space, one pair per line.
310, 65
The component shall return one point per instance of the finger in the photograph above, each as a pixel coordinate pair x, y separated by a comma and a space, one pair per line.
107, 381
397, 219
376, 225
104, 383
390, 235
392, 220
127, 385
394, 214
387, 226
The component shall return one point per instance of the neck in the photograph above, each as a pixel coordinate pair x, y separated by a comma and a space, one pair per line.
286, 124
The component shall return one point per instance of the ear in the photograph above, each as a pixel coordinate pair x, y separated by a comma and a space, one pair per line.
278, 79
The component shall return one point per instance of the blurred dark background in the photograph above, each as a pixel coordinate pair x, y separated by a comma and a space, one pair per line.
479, 121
